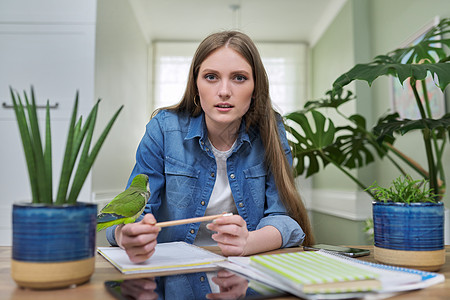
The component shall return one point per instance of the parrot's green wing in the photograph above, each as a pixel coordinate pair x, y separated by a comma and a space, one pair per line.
124, 208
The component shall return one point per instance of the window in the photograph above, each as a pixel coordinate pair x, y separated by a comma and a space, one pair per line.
171, 67
285, 65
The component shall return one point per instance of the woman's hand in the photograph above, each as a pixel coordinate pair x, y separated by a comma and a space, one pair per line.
231, 234
231, 286
143, 288
138, 239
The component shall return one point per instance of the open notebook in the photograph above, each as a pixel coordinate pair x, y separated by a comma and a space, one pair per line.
314, 273
310, 275
167, 257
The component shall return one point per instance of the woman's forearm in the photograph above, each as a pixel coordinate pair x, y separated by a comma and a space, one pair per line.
264, 239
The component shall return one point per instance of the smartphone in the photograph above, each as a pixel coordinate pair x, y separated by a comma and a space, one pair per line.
174, 286
352, 252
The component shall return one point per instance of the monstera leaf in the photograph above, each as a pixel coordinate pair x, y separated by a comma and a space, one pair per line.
354, 146
347, 146
309, 146
334, 100
370, 72
429, 49
415, 61
387, 128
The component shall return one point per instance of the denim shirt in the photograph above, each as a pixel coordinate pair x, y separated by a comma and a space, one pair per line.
193, 286
181, 170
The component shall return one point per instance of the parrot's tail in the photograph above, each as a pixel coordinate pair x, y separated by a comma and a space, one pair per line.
101, 226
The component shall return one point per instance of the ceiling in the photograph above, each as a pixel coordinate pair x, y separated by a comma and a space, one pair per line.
263, 20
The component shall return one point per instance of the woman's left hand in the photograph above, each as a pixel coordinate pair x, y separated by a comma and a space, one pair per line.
231, 286
231, 234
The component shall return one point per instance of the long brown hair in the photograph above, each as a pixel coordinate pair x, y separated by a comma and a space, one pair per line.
260, 115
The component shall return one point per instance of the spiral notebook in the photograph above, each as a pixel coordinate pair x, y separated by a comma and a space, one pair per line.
315, 274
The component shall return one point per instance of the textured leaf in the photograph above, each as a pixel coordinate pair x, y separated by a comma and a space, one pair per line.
349, 146
370, 72
48, 151
354, 146
334, 100
430, 48
428, 55
25, 134
42, 180
66, 171
389, 127
83, 169
309, 145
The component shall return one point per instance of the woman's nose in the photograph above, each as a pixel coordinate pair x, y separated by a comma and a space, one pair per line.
224, 90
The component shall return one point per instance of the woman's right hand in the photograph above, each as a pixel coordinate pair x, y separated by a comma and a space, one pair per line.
138, 239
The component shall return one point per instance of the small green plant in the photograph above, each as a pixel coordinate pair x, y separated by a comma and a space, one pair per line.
39, 156
406, 190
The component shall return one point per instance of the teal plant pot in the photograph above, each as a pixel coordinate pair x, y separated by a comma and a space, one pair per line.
415, 226
416, 229
53, 246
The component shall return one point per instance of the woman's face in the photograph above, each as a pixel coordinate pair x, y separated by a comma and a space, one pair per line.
225, 85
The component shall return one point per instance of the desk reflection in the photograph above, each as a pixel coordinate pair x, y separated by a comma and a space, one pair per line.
218, 285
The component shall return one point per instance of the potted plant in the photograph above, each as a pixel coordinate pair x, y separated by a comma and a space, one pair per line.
54, 235
353, 145
408, 224
315, 139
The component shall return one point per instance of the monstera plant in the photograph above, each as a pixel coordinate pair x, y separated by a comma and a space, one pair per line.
354, 145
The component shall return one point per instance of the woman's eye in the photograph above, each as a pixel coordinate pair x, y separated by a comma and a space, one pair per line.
210, 77
240, 78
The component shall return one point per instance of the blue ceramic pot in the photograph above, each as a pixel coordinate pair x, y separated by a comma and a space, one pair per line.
411, 227
46, 233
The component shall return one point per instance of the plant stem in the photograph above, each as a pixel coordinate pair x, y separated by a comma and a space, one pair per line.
427, 140
425, 97
438, 150
412, 83
439, 153
429, 152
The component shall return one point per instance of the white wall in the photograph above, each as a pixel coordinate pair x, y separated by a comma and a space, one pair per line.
49, 45
121, 78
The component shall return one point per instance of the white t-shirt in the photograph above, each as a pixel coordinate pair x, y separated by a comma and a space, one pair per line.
221, 199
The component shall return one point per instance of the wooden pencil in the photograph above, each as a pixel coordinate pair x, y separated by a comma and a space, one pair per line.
191, 220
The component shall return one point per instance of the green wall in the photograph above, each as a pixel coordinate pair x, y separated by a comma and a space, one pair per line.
331, 56
392, 23
120, 78
362, 30
338, 231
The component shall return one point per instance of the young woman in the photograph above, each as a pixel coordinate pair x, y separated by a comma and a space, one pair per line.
222, 148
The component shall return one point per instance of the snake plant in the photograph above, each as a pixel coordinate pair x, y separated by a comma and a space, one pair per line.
78, 157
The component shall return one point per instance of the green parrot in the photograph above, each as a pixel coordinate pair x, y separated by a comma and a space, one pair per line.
127, 206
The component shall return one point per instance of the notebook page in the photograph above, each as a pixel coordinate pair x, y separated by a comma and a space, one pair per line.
167, 256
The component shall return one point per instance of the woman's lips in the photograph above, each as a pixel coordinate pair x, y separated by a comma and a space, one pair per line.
224, 106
